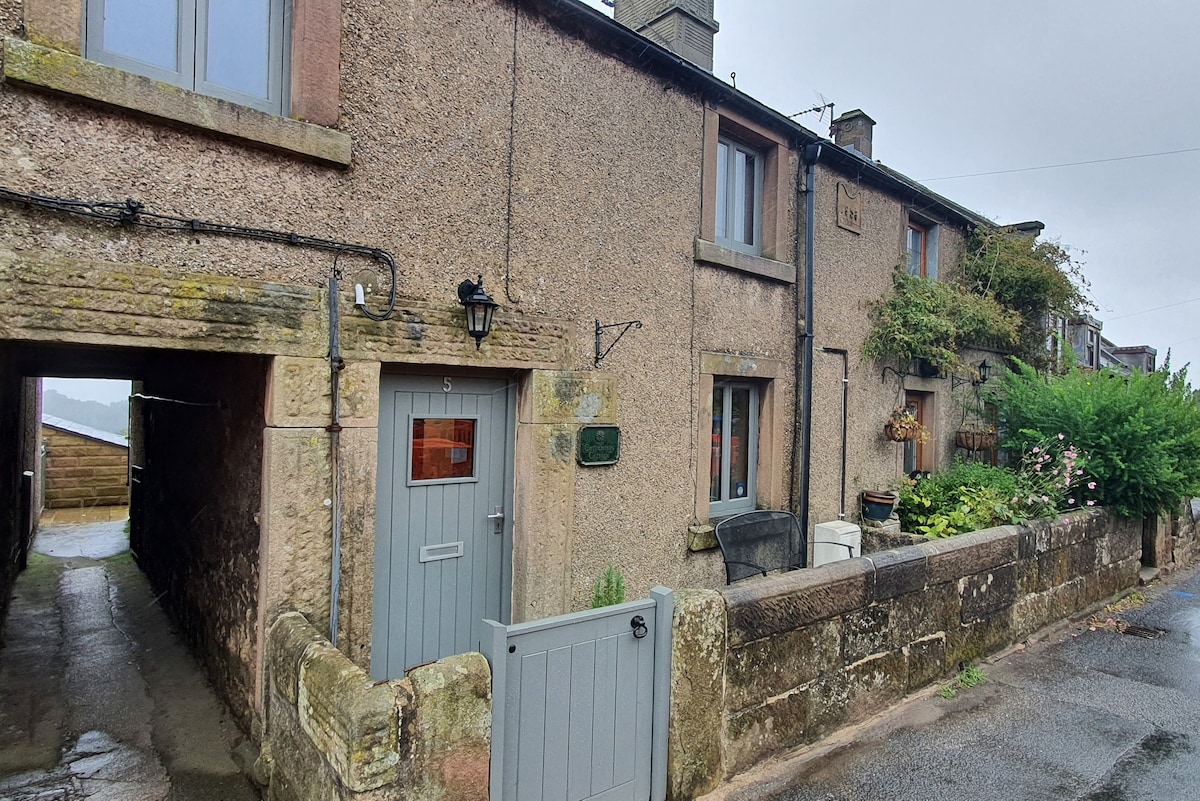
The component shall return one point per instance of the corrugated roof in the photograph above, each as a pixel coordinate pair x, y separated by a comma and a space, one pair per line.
71, 427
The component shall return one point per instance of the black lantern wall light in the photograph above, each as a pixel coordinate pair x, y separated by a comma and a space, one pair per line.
979, 375
479, 308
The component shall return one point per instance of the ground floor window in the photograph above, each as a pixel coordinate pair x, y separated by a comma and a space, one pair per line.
732, 475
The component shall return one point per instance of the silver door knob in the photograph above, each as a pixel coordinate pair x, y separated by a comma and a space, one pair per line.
498, 516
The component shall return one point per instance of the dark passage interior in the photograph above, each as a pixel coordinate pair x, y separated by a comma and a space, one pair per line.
195, 437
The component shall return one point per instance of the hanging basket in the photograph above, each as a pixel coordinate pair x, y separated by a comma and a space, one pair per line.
976, 440
899, 432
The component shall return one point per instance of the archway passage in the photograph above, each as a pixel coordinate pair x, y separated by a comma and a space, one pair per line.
195, 453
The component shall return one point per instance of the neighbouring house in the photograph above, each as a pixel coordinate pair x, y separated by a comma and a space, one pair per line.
1096, 352
675, 265
84, 466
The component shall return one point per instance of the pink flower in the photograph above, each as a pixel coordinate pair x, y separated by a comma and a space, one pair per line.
1091, 485
1070, 500
1037, 450
1056, 472
1066, 520
1014, 500
1045, 499
1079, 472
1062, 436
1038, 468
1091, 503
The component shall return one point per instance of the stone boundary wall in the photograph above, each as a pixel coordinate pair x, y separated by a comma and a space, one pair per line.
771, 664
333, 734
81, 471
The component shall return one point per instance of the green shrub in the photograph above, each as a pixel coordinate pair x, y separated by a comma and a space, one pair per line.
966, 497
609, 589
1140, 433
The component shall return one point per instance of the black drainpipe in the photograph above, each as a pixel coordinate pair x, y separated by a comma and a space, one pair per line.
812, 153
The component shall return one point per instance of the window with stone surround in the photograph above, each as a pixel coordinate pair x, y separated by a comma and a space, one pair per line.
232, 49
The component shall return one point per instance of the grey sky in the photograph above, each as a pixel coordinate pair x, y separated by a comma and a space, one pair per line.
93, 389
958, 88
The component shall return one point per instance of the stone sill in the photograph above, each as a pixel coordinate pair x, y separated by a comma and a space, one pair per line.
712, 253
42, 67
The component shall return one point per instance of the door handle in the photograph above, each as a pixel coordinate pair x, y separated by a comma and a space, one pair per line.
498, 516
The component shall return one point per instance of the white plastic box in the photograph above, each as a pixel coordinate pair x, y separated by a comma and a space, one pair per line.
834, 541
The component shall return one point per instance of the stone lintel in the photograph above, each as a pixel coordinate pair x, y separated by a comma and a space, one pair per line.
733, 365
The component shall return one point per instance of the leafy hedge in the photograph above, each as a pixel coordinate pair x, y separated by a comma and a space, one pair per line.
1140, 433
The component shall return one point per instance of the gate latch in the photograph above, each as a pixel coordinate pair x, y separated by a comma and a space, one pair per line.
498, 516
638, 624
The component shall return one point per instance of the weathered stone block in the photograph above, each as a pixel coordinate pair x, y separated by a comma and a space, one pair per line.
987, 592
1054, 568
1124, 537
1082, 559
920, 614
764, 668
754, 733
793, 600
561, 397
1064, 533
983, 636
698, 659
1028, 577
299, 393
968, 554
452, 727
288, 641
1035, 538
926, 661
1030, 613
899, 571
353, 721
859, 691
866, 632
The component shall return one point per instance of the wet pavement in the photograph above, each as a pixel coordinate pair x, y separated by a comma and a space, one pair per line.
1087, 714
98, 698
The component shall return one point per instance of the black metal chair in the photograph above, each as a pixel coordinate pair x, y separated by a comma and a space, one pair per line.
754, 543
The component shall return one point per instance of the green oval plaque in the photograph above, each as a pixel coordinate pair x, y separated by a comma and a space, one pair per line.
599, 445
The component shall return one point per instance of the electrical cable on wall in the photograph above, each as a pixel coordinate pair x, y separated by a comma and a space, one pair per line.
132, 212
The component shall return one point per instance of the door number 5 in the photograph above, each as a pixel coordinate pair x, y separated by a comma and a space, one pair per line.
447, 384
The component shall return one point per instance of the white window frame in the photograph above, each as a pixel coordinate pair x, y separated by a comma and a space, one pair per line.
192, 52
727, 200
725, 505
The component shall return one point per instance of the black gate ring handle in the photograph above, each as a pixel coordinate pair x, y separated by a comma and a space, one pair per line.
638, 624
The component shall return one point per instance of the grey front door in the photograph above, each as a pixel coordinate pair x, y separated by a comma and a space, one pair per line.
443, 530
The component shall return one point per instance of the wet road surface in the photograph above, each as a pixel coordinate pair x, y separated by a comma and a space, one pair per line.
1085, 715
98, 699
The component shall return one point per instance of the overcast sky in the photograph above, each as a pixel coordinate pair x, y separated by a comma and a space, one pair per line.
959, 88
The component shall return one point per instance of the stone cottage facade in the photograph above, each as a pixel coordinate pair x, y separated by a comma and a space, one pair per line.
387, 478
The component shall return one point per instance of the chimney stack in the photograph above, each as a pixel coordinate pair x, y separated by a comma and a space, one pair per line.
854, 129
685, 27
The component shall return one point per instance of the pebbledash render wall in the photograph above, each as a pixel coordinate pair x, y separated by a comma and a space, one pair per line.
418, 165
852, 271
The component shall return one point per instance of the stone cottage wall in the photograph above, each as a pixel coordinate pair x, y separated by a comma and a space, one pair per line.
334, 735
81, 471
776, 663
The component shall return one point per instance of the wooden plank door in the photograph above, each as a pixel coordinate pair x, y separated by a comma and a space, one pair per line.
443, 531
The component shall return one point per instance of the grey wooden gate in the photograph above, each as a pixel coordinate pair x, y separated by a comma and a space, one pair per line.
443, 522
580, 702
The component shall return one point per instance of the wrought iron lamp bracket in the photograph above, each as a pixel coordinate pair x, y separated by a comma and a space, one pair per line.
600, 329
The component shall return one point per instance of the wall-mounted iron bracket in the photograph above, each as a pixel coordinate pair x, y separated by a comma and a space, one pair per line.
600, 330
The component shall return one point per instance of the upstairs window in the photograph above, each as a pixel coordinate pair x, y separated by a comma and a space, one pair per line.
231, 49
922, 239
734, 467
739, 197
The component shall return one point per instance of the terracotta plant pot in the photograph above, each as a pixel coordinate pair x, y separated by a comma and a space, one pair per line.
877, 506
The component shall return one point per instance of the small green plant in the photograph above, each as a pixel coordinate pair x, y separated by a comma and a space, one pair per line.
609, 589
968, 677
